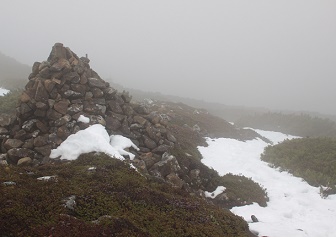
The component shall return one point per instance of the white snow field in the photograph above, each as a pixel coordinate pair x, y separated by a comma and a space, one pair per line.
295, 208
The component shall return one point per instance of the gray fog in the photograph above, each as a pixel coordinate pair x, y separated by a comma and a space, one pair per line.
278, 54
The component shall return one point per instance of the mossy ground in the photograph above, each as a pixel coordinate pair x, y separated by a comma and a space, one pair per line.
132, 205
313, 159
9, 101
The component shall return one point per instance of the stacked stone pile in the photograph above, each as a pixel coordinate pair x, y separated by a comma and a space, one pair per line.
61, 89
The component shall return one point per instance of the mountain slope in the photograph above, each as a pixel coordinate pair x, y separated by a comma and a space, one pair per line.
13, 74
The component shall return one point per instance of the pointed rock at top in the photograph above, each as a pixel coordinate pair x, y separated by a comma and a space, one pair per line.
57, 52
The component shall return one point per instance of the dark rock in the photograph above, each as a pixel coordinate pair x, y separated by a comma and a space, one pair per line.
93, 108
72, 77
53, 114
35, 68
152, 133
140, 120
149, 143
97, 93
57, 52
254, 218
49, 85
171, 137
175, 181
167, 165
44, 73
41, 92
126, 96
109, 92
24, 108
88, 95
41, 126
83, 79
95, 82
40, 113
41, 106
142, 109
63, 132
60, 65
79, 88
16, 154
63, 120
3, 131
12, 143
21, 134
44, 64
29, 143
125, 127
128, 110
44, 150
100, 101
112, 123
41, 140
149, 159
54, 139
115, 107
117, 98
75, 108
161, 149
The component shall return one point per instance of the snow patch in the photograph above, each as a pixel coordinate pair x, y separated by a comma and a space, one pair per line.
93, 139
83, 119
214, 194
295, 208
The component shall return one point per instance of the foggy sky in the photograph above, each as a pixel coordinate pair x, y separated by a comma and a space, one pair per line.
279, 54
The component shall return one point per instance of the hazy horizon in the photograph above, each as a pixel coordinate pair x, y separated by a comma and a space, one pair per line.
272, 54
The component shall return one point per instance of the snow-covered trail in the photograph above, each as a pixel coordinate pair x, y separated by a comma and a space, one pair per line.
295, 208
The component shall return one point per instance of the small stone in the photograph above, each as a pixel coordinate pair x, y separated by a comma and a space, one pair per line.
140, 120
25, 161
254, 218
13, 143
24, 97
9, 183
70, 202
115, 107
3, 131
149, 143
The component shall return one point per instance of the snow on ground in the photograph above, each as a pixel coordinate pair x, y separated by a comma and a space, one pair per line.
3, 91
94, 138
295, 208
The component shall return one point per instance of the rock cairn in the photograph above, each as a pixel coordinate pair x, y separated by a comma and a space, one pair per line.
61, 89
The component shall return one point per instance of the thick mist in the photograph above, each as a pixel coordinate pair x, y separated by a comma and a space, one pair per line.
274, 54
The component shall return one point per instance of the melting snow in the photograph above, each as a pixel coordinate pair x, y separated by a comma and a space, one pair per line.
295, 208
214, 194
83, 119
93, 139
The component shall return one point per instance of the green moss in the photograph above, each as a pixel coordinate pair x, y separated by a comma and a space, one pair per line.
132, 205
9, 101
313, 159
242, 191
